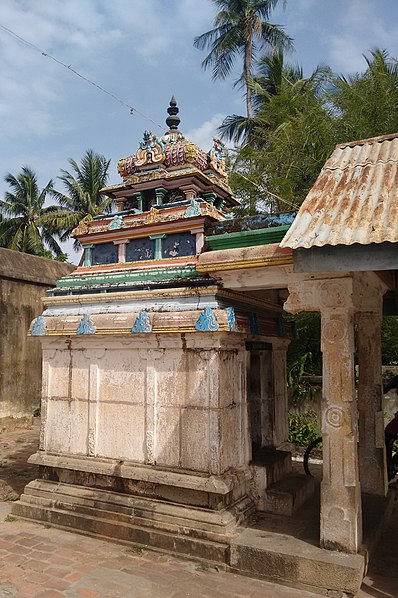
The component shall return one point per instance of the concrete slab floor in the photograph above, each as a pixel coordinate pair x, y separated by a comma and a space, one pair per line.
41, 561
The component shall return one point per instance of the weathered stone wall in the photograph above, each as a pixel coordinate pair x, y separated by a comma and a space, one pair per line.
23, 282
168, 400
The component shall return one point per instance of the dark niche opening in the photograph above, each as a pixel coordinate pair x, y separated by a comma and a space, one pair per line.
107, 253
173, 196
140, 249
178, 245
148, 200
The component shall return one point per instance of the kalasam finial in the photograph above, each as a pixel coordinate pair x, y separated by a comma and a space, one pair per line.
172, 121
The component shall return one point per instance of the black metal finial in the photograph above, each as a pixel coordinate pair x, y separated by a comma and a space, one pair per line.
172, 121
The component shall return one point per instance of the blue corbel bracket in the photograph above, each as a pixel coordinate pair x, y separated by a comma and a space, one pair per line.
231, 318
39, 327
116, 223
193, 209
142, 323
207, 321
86, 326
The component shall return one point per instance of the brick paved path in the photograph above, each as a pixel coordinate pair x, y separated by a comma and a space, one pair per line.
40, 561
50, 563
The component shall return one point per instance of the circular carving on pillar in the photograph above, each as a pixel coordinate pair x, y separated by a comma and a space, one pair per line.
334, 331
334, 417
332, 294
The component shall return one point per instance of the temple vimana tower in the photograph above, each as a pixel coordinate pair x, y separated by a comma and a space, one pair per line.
164, 408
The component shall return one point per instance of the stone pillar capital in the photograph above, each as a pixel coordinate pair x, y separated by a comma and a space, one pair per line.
320, 295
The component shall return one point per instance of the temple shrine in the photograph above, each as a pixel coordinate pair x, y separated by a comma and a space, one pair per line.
149, 366
164, 405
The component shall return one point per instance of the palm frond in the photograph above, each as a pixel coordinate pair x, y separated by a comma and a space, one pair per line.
235, 128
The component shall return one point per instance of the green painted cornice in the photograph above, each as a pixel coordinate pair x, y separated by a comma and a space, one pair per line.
262, 236
132, 277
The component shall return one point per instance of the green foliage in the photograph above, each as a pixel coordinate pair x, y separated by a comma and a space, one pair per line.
389, 340
26, 224
298, 141
249, 183
303, 427
290, 136
366, 104
240, 27
136, 548
10, 497
203, 567
298, 121
83, 198
62, 257
308, 326
301, 389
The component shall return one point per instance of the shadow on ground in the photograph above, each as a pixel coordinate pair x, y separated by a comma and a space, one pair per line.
15, 471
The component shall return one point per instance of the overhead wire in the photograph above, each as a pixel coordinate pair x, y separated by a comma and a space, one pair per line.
132, 109
290, 204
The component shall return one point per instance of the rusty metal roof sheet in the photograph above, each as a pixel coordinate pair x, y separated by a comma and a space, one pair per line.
354, 199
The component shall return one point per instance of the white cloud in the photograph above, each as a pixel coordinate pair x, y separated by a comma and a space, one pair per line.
360, 28
204, 134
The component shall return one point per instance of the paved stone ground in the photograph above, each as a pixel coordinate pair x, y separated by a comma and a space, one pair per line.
40, 561
50, 563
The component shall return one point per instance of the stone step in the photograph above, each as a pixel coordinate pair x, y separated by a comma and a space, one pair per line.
268, 467
128, 509
283, 558
287, 495
106, 524
273, 464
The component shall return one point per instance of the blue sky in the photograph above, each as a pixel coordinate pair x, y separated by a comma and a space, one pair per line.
141, 50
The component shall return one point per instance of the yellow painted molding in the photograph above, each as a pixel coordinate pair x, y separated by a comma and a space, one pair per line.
283, 260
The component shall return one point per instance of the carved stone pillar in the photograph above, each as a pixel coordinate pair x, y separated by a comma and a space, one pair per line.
341, 511
372, 468
268, 395
341, 517
281, 423
161, 193
158, 244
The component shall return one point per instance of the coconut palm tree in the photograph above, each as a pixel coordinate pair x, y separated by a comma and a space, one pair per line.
366, 104
82, 199
271, 77
26, 224
240, 27
291, 135
266, 83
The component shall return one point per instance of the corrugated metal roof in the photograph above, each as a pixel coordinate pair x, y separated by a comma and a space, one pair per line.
354, 199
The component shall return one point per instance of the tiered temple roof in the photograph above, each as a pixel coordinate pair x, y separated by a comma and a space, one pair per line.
140, 261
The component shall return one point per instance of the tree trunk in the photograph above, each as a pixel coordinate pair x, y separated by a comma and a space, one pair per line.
247, 73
